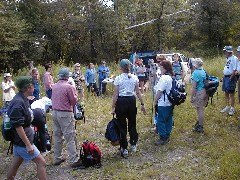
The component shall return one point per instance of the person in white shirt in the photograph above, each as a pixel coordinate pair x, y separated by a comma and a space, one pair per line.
8, 88
165, 108
238, 72
124, 105
229, 80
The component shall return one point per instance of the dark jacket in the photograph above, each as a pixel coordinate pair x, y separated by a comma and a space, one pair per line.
19, 113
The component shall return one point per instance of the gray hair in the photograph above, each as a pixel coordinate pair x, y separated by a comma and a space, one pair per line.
197, 62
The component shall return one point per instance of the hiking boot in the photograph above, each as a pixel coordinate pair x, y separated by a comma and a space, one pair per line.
226, 109
198, 129
162, 141
58, 162
134, 148
231, 111
124, 152
196, 124
78, 164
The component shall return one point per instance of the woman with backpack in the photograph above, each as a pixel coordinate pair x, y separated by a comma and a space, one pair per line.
199, 98
165, 108
124, 105
21, 117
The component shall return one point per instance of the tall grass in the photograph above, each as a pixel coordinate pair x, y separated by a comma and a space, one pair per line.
211, 155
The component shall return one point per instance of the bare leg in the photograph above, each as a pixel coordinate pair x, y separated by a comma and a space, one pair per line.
232, 99
41, 167
227, 98
141, 83
200, 112
12, 171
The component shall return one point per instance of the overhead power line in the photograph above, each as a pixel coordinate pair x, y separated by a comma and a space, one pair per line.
167, 15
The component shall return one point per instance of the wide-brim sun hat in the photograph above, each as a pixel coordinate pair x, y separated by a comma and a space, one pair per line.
125, 62
23, 81
7, 75
197, 62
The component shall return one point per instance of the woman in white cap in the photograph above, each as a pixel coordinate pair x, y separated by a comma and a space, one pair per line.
124, 105
199, 98
8, 88
78, 79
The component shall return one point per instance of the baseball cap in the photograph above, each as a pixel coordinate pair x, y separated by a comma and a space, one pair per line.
124, 62
23, 81
63, 73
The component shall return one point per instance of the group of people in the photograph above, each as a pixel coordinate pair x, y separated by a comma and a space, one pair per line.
124, 105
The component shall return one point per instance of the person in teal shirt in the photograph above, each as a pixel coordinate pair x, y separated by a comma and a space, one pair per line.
199, 98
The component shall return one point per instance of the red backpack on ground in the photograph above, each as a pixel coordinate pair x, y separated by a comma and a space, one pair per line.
90, 154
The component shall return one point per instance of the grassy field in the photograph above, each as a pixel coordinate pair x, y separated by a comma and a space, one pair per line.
211, 155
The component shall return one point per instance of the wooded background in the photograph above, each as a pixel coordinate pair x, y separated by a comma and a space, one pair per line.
69, 31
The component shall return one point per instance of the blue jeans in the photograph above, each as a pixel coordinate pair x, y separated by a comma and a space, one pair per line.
165, 121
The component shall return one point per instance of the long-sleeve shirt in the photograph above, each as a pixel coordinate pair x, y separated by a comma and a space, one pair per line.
48, 80
90, 76
64, 96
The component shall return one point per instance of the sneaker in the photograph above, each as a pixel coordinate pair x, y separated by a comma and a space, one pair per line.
231, 111
161, 141
124, 152
134, 148
226, 109
198, 129
58, 162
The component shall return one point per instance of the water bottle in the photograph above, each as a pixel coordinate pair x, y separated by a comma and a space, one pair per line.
7, 124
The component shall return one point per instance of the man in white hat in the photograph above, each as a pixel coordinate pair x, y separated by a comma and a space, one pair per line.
8, 88
229, 80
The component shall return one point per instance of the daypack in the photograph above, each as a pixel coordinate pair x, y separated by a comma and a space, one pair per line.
37, 138
112, 132
177, 94
78, 112
90, 154
211, 84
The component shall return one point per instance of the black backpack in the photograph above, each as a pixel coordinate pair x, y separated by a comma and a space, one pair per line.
78, 112
177, 94
113, 132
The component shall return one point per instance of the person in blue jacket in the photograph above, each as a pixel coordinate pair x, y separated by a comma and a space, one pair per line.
90, 78
103, 72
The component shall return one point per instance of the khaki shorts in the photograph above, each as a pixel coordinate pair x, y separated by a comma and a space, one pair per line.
200, 99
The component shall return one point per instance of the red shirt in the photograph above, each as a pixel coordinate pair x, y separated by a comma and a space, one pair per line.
64, 96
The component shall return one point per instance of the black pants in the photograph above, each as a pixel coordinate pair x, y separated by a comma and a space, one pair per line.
126, 109
102, 86
93, 85
39, 121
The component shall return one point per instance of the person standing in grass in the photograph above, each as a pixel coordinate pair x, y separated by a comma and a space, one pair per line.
199, 98
229, 80
124, 105
140, 72
48, 80
177, 68
64, 97
103, 72
90, 78
78, 78
164, 107
21, 117
238, 72
8, 89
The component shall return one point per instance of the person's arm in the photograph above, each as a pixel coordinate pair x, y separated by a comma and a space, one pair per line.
193, 91
115, 97
140, 98
157, 96
24, 138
